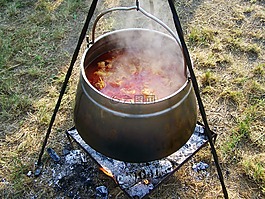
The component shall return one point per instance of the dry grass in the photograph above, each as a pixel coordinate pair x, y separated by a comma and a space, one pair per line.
226, 42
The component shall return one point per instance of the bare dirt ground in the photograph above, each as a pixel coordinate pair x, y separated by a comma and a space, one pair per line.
226, 40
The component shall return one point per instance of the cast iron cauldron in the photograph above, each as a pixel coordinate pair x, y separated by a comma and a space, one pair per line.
135, 132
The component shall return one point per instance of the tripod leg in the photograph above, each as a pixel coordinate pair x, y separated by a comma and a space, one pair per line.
197, 93
67, 77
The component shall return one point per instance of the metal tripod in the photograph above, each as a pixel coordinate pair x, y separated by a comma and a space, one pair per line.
192, 76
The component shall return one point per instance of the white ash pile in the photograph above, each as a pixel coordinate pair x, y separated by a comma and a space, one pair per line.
139, 179
75, 176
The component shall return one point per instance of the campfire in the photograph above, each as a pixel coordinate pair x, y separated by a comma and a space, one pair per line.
138, 179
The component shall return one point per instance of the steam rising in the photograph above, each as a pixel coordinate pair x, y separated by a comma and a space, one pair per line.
135, 19
160, 53
163, 52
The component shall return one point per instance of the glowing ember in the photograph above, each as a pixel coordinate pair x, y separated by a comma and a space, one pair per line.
146, 181
106, 171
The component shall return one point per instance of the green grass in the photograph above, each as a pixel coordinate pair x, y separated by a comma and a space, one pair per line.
202, 36
240, 134
32, 60
231, 95
28, 51
259, 70
230, 64
231, 144
254, 166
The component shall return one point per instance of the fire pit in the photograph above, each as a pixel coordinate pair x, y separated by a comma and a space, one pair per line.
138, 180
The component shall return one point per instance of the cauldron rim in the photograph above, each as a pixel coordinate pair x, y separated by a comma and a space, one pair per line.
82, 66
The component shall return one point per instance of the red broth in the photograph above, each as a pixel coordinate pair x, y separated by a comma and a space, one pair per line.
134, 76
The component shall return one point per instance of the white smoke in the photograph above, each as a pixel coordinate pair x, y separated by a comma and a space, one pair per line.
164, 54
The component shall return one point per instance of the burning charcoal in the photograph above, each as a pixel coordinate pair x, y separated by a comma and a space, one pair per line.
37, 172
71, 194
199, 129
132, 177
200, 143
200, 166
88, 182
102, 192
53, 155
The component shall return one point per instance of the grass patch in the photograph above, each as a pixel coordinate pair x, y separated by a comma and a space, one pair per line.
231, 144
19, 174
237, 44
257, 114
204, 36
33, 36
245, 132
231, 96
208, 79
206, 60
29, 53
240, 134
259, 70
255, 91
254, 167
14, 105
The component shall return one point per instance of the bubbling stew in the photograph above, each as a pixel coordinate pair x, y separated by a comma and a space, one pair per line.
132, 75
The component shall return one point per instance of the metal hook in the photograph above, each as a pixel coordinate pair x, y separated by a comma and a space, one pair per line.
137, 5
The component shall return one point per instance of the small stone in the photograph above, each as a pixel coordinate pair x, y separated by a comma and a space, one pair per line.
53, 155
29, 173
3, 180
200, 166
102, 192
38, 171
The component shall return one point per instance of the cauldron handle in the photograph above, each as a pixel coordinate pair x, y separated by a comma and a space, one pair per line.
133, 8
138, 8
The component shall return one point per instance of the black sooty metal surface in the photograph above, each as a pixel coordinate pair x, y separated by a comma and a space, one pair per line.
137, 180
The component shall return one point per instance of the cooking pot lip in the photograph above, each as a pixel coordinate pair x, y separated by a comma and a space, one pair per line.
120, 100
